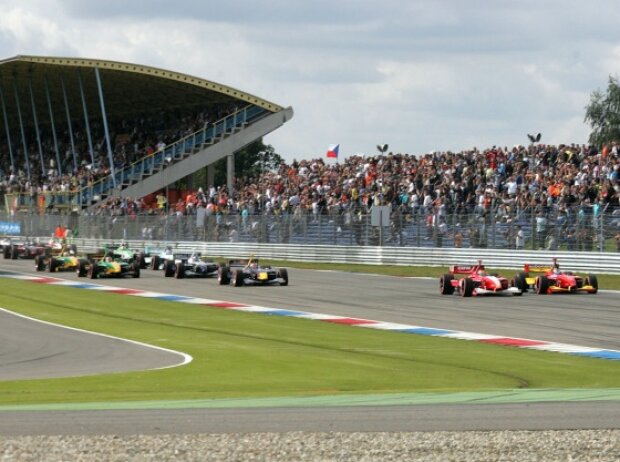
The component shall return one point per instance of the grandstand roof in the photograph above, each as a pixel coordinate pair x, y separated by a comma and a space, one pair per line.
129, 89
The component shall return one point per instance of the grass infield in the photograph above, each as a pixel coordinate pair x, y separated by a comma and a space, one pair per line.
240, 354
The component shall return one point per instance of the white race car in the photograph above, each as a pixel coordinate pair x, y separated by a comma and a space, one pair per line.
156, 257
194, 265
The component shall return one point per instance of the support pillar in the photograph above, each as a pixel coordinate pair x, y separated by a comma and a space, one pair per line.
105, 126
53, 125
86, 121
21, 126
70, 127
8, 131
36, 126
230, 173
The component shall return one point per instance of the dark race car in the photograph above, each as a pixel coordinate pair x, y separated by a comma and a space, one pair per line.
186, 265
4, 242
248, 272
475, 282
108, 267
24, 250
551, 280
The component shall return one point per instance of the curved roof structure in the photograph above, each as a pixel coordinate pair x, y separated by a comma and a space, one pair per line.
128, 89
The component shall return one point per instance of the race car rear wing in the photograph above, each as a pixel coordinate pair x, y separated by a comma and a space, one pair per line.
462, 269
466, 269
238, 262
536, 268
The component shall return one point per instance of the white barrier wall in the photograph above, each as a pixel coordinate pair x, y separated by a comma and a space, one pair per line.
593, 262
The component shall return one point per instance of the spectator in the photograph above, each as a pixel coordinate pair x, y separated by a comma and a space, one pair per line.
519, 238
541, 229
458, 239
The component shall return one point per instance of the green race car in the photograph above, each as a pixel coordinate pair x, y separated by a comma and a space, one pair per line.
108, 268
56, 263
63, 259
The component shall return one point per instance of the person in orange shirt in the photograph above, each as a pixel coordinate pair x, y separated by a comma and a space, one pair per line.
190, 203
59, 232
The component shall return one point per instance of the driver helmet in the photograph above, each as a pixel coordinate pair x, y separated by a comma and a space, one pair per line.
254, 265
556, 269
108, 259
482, 272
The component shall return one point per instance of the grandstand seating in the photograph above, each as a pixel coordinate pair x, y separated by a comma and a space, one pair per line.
160, 160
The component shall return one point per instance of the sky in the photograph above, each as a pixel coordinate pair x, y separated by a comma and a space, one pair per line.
420, 76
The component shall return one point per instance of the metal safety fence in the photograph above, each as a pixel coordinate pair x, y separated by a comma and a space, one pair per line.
577, 230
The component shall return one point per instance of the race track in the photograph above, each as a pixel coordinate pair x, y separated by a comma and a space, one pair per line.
586, 320
33, 350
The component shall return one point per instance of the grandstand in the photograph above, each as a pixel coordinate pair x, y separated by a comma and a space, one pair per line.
88, 129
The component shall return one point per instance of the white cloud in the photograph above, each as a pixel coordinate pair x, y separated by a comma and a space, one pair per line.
421, 75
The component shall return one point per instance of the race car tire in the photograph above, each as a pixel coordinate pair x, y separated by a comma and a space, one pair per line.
52, 265
520, 282
93, 271
467, 286
39, 263
223, 275
136, 269
445, 284
169, 268
7, 251
82, 268
283, 273
542, 285
155, 262
237, 278
14, 253
179, 271
592, 280
141, 259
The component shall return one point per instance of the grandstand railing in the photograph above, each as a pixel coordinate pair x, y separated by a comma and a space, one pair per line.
577, 232
170, 154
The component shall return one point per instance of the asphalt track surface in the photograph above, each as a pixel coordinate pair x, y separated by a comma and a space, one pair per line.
580, 319
30, 349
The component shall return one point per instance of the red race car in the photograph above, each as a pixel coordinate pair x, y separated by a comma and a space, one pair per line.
551, 280
476, 282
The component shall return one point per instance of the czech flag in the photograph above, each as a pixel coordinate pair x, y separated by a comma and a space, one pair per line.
332, 151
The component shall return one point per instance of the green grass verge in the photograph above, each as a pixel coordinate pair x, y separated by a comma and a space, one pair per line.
605, 281
251, 355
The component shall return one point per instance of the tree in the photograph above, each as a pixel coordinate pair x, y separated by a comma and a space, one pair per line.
250, 162
603, 114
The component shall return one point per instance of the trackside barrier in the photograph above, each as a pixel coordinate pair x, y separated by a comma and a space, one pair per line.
594, 262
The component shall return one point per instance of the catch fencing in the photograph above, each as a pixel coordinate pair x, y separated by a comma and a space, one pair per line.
575, 231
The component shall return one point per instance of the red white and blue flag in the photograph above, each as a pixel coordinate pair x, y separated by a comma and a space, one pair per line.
332, 151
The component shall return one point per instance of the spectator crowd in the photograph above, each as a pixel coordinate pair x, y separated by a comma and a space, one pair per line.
546, 185
542, 185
